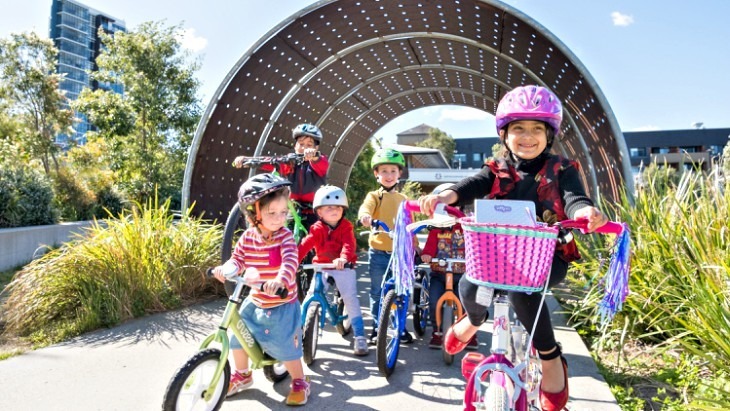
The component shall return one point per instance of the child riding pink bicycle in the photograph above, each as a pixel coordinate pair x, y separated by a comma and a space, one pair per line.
528, 121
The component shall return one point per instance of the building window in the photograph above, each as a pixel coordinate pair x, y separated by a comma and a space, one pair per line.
476, 157
637, 152
660, 150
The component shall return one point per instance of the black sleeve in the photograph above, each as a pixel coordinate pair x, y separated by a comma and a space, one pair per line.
572, 191
474, 187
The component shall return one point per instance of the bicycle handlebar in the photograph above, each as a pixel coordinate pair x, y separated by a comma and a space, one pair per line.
323, 266
610, 227
413, 206
272, 160
376, 227
281, 292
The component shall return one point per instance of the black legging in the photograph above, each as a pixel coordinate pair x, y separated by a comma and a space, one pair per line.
525, 306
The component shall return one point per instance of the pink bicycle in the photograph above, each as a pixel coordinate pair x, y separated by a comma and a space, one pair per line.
509, 378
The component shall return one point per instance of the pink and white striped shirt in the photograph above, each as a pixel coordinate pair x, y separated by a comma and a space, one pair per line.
274, 259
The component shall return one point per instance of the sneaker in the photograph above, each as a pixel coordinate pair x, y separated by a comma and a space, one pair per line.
406, 338
299, 392
473, 344
239, 382
436, 341
373, 339
360, 346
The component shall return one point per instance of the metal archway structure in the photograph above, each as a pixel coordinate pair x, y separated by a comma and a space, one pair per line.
351, 66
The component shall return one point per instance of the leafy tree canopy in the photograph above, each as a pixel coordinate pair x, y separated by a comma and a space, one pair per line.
440, 140
33, 110
148, 129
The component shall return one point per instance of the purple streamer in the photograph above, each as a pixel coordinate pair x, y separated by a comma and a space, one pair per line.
616, 282
402, 257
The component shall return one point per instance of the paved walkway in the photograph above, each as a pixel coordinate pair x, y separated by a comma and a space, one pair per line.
128, 368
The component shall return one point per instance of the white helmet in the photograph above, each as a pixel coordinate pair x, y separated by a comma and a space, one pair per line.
330, 195
441, 187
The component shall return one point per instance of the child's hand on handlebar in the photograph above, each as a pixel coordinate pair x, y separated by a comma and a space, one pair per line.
366, 220
310, 154
428, 203
339, 263
595, 217
426, 258
238, 161
270, 287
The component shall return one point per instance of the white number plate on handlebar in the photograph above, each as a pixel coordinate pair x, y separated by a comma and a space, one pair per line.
485, 295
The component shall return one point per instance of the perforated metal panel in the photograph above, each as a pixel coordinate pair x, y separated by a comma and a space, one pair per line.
350, 66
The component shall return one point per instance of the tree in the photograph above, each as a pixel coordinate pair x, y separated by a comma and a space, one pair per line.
33, 106
441, 141
148, 129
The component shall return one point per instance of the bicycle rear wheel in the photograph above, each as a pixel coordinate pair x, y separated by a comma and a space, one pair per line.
311, 332
345, 326
276, 372
188, 387
389, 333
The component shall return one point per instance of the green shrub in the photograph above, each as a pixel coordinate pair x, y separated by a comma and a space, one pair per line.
680, 276
26, 198
138, 264
72, 198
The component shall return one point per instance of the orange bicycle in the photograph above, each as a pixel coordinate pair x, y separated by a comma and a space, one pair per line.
448, 308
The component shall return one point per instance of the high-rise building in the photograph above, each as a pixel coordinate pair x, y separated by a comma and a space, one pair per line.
74, 30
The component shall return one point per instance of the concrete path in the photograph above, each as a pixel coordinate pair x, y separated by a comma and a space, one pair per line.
128, 368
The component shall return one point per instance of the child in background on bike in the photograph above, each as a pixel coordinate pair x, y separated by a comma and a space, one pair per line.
268, 246
528, 122
382, 204
443, 243
333, 240
306, 177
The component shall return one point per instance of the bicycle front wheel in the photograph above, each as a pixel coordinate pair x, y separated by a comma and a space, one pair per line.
496, 398
189, 387
389, 333
447, 319
420, 311
311, 332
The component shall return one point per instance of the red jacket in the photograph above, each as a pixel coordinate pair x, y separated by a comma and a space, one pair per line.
329, 243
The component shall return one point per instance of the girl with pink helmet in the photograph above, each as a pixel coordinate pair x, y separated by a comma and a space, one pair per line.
528, 120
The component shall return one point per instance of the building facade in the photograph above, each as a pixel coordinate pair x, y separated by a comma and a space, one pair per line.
692, 147
74, 30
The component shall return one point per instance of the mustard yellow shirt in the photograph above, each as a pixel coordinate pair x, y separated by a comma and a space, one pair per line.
381, 205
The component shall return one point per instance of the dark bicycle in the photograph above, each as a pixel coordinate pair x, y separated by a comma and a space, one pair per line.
235, 223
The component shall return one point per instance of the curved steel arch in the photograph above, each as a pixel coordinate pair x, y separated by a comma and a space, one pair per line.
351, 66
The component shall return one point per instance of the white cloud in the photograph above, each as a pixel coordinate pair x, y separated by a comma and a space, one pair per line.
463, 114
620, 19
189, 41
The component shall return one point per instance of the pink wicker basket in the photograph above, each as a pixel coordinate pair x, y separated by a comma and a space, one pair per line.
508, 257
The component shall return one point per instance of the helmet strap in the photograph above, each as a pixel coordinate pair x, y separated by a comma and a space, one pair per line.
387, 189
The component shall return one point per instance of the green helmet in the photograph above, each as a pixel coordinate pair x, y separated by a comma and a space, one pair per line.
388, 156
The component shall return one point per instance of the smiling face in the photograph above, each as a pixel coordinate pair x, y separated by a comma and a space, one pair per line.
526, 139
387, 174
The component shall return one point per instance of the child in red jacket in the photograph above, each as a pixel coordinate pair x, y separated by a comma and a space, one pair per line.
333, 239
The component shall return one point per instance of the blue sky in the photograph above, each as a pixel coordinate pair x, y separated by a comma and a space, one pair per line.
662, 64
